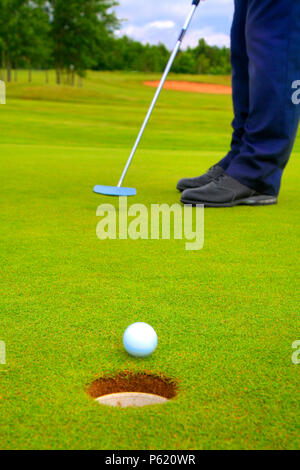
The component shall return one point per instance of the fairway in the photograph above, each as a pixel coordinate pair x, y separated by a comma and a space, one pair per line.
226, 316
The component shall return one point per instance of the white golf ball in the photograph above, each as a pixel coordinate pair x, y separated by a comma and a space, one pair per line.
140, 340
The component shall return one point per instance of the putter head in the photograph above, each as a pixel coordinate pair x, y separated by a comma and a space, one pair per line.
114, 191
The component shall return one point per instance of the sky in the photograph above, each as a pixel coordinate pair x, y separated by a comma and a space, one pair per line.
157, 21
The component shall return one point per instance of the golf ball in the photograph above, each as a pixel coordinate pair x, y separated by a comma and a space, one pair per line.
140, 340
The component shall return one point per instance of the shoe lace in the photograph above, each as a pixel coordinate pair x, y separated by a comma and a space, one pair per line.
220, 178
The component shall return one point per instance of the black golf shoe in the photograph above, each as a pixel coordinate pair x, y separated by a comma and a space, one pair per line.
191, 183
225, 191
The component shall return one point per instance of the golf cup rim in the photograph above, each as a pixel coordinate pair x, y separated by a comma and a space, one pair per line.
131, 399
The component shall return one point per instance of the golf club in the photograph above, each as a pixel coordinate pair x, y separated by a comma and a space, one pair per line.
119, 190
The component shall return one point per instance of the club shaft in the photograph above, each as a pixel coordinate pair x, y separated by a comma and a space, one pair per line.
161, 84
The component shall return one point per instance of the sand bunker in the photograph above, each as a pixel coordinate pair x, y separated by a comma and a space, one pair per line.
193, 87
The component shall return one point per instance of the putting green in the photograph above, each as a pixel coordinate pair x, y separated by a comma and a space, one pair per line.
226, 316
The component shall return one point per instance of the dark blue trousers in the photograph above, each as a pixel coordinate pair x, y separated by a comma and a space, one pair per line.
265, 53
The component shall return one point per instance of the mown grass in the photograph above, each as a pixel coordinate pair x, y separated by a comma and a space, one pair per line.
226, 316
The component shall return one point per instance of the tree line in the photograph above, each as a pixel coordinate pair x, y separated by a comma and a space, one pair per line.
126, 54
72, 36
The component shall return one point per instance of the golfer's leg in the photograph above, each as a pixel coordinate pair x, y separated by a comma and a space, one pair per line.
240, 87
273, 46
240, 79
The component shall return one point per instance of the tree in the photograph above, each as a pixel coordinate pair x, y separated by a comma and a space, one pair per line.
185, 63
24, 26
77, 28
203, 64
126, 54
212, 59
74, 35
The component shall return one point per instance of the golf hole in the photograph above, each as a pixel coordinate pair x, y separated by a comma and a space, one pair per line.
128, 389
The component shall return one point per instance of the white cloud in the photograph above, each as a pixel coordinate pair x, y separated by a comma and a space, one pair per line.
160, 21
162, 24
211, 37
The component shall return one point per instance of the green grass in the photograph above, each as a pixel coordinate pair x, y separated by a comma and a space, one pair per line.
226, 316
